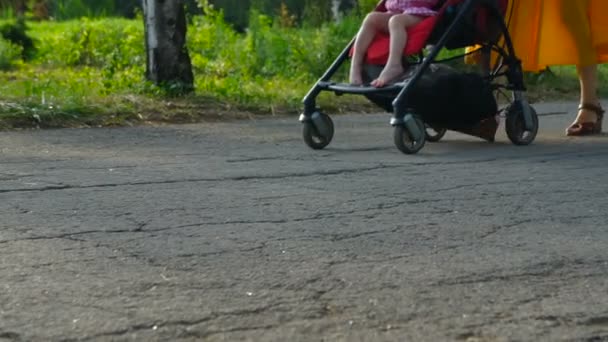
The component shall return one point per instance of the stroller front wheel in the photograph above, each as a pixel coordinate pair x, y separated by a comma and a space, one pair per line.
410, 138
515, 125
319, 131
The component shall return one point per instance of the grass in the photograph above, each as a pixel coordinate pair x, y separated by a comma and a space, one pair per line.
90, 73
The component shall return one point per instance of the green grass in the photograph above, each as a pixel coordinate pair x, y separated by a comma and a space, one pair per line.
90, 72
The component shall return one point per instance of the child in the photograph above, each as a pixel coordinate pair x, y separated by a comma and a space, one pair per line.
399, 15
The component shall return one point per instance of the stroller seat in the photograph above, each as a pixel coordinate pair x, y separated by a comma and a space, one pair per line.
475, 29
418, 36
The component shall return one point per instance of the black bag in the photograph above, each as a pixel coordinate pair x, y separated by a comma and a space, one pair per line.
452, 99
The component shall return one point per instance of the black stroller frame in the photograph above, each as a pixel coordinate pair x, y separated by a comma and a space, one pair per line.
410, 131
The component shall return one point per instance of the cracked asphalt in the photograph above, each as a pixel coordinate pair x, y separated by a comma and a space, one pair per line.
238, 232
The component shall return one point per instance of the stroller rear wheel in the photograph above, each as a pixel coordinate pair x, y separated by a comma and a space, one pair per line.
434, 134
515, 124
410, 137
319, 131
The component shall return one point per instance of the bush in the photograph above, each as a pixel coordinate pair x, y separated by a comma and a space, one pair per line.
268, 62
114, 48
266, 49
10, 54
71, 9
82, 68
367, 5
16, 33
107, 44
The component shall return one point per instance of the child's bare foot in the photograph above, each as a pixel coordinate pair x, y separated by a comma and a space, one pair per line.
355, 76
388, 75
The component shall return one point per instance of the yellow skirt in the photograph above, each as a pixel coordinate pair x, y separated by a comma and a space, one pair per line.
558, 32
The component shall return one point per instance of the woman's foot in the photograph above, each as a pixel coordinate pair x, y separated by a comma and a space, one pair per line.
389, 74
588, 121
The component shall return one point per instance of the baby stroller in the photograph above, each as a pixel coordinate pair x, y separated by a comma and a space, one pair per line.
417, 114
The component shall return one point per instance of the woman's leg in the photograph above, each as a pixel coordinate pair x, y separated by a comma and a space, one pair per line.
373, 23
590, 113
575, 16
589, 83
397, 28
589, 86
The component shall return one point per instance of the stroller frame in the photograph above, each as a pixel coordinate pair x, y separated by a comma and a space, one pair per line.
410, 131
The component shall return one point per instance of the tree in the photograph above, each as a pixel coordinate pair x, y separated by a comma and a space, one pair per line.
18, 6
168, 61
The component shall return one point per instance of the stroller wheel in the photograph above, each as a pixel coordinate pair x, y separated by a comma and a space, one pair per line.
515, 125
434, 134
410, 138
319, 131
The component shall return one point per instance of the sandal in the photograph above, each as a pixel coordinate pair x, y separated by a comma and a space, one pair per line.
587, 128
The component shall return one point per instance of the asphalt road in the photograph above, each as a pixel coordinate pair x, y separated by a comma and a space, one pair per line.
238, 231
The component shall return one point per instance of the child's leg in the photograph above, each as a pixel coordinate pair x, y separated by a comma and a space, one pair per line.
396, 25
373, 23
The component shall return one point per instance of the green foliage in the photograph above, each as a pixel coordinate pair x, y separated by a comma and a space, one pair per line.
16, 33
83, 61
305, 12
80, 59
265, 59
109, 44
10, 54
367, 5
316, 12
71, 9
96, 66
7, 13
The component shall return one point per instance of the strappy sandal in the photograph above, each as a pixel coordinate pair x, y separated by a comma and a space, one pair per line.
587, 128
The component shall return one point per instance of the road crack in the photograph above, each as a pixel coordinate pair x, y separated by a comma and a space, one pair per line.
177, 323
336, 172
10, 335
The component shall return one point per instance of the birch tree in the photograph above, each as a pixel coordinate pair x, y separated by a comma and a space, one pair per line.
168, 61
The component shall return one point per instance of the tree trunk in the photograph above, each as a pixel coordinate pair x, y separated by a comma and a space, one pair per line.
339, 7
168, 62
335, 9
